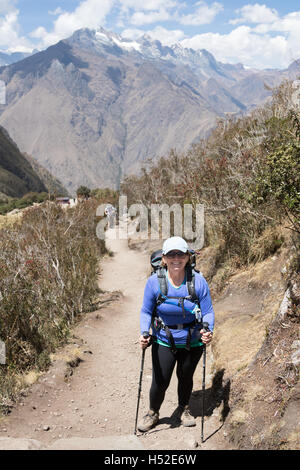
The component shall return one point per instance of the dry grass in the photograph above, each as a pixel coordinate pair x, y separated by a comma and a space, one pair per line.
70, 355
238, 416
31, 377
268, 243
253, 392
9, 220
237, 343
244, 312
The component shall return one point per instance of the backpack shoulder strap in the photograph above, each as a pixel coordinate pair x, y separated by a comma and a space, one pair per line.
163, 289
190, 283
163, 284
162, 279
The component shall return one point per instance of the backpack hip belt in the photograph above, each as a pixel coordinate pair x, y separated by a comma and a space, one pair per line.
159, 324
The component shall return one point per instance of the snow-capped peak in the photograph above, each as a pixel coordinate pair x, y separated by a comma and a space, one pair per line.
200, 61
101, 36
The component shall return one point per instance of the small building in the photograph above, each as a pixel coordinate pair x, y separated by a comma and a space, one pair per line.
63, 200
67, 201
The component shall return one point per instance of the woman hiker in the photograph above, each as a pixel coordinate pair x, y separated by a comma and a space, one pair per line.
175, 337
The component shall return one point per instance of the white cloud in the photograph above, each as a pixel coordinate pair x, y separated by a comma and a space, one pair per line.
255, 14
141, 12
140, 18
204, 14
7, 6
166, 36
289, 27
147, 5
57, 11
10, 28
245, 46
288, 23
271, 41
88, 14
132, 33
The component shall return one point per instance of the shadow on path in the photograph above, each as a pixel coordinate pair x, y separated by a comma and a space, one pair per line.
215, 396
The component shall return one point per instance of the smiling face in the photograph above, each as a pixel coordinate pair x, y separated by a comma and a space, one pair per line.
176, 261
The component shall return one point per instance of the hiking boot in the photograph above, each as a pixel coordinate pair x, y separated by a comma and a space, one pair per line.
176, 415
148, 421
187, 419
182, 414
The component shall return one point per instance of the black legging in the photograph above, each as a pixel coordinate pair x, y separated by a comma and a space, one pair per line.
163, 363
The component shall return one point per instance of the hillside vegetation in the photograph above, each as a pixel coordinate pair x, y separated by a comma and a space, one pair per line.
49, 265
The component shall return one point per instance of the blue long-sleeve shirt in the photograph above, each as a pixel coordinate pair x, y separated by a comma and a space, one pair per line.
171, 313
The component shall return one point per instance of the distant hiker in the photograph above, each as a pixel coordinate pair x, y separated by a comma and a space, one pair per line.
176, 301
111, 212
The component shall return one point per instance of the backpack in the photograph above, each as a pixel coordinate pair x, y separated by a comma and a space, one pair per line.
157, 322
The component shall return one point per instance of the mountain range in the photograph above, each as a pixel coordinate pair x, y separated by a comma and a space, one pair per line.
7, 59
93, 107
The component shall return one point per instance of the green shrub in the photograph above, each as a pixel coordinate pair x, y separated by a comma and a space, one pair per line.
280, 180
28, 200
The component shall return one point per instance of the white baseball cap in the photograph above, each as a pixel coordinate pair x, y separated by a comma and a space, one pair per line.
175, 243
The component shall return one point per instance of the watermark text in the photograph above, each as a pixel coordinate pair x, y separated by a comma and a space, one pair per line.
2, 353
159, 221
2, 92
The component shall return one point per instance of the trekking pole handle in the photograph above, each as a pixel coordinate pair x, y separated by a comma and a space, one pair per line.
146, 335
205, 327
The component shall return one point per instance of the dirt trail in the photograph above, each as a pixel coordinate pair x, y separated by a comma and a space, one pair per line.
99, 399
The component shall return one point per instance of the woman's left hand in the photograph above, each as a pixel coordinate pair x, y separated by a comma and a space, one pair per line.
206, 336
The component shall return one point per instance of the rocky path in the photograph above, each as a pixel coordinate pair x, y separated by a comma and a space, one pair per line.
92, 403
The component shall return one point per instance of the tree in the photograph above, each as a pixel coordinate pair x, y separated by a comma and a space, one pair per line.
83, 191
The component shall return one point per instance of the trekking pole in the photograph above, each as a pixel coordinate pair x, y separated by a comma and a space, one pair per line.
145, 335
205, 327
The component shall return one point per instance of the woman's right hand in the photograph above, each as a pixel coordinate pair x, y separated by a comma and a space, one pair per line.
144, 342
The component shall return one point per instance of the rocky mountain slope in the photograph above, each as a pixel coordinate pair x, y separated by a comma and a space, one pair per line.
17, 176
21, 173
53, 185
95, 106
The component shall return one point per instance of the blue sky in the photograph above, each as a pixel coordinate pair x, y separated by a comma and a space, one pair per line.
258, 34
